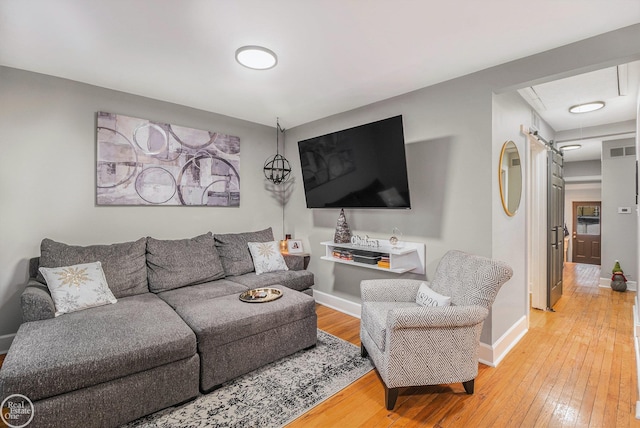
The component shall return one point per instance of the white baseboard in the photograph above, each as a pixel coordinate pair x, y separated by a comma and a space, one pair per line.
5, 342
491, 355
637, 349
338, 303
606, 283
636, 320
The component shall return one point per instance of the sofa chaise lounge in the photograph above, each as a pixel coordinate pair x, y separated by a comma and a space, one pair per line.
178, 328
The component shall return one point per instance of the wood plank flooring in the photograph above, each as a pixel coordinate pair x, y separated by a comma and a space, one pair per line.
574, 368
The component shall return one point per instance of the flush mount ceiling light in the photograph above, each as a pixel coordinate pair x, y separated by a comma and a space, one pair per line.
256, 57
570, 147
586, 107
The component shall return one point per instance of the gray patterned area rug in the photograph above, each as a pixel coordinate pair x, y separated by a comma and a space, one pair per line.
273, 395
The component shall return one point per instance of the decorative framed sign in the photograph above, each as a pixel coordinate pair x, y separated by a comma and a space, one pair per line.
294, 246
141, 162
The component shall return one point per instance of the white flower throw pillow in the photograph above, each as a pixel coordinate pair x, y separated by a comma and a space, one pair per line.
427, 297
267, 257
77, 287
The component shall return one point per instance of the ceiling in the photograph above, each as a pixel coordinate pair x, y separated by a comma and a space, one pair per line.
333, 55
616, 86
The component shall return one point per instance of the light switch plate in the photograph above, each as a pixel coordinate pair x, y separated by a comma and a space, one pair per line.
624, 210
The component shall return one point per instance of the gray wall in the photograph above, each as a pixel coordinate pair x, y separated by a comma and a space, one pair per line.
588, 168
619, 231
509, 243
47, 171
449, 180
452, 161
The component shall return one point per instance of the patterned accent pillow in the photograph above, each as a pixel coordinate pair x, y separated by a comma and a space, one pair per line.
77, 287
267, 257
428, 297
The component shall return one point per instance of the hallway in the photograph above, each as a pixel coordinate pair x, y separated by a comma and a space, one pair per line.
586, 374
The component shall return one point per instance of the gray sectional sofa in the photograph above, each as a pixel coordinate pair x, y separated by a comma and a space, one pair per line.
177, 329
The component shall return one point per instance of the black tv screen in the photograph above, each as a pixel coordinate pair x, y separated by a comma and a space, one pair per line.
360, 167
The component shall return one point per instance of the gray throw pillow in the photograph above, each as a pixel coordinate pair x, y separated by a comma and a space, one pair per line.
124, 264
178, 263
234, 250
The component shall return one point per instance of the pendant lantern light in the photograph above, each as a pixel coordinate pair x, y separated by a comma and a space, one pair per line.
277, 168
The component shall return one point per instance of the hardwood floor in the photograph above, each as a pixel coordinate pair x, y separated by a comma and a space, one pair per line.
574, 368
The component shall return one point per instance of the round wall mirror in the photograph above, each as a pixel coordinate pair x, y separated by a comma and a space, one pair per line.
510, 178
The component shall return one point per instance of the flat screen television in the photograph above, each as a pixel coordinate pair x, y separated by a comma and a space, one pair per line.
360, 167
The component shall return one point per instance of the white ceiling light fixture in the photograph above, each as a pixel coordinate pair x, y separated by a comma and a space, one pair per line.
586, 107
570, 147
256, 57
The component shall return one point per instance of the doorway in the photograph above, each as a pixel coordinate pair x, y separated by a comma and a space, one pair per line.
537, 176
555, 226
586, 233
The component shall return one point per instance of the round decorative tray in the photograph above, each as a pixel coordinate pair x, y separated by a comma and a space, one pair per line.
260, 295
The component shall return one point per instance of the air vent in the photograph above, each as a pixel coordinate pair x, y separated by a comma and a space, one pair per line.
617, 152
515, 162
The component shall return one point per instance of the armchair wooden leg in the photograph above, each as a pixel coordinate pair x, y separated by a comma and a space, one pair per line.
468, 386
390, 397
363, 351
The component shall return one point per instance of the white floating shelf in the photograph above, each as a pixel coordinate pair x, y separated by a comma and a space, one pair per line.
409, 257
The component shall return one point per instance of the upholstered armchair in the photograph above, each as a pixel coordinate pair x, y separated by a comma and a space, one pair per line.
413, 345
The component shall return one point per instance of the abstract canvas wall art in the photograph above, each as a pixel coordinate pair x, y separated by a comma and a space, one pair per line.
141, 162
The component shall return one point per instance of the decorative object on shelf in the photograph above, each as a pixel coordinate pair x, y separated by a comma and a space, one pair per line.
277, 168
618, 280
396, 235
342, 254
343, 233
144, 162
384, 262
366, 257
365, 242
294, 246
283, 243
